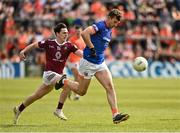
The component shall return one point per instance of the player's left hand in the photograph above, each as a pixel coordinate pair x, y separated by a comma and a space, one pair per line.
93, 52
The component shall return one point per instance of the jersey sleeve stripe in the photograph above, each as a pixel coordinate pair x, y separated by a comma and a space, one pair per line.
95, 27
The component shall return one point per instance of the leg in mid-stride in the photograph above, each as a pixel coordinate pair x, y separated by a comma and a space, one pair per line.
49, 80
39, 93
105, 78
103, 75
63, 96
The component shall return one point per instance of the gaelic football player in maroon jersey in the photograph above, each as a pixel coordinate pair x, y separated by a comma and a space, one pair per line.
57, 52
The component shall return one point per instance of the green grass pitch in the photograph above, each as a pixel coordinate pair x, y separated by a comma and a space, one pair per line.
153, 105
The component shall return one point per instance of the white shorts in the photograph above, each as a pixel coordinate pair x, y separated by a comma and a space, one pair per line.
50, 77
71, 65
88, 69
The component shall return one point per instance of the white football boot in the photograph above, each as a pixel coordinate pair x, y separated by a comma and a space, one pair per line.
59, 113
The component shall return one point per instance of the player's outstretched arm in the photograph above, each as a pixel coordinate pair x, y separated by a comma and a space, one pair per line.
26, 49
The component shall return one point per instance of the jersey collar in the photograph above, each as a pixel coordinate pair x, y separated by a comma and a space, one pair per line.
59, 43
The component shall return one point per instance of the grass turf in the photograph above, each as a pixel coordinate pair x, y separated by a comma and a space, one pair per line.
153, 105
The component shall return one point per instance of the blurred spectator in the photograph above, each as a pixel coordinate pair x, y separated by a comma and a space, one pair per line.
99, 9
149, 28
166, 36
176, 17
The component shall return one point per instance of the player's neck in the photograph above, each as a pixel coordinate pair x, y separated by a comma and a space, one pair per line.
60, 41
107, 24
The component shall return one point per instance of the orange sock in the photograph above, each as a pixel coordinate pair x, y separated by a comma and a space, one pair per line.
115, 111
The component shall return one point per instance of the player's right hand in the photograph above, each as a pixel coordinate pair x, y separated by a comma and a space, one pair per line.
22, 55
93, 52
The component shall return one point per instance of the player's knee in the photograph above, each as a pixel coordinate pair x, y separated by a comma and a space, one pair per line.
82, 93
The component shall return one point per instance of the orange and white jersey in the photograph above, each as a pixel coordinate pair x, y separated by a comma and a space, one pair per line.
79, 43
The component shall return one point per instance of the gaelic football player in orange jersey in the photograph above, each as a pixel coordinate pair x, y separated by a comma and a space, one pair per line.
73, 60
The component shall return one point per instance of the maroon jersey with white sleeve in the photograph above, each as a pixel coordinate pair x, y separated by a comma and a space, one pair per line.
56, 54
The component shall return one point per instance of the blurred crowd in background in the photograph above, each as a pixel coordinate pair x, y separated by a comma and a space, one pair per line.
149, 28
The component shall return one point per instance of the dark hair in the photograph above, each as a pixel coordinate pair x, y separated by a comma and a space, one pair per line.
78, 27
58, 27
115, 13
